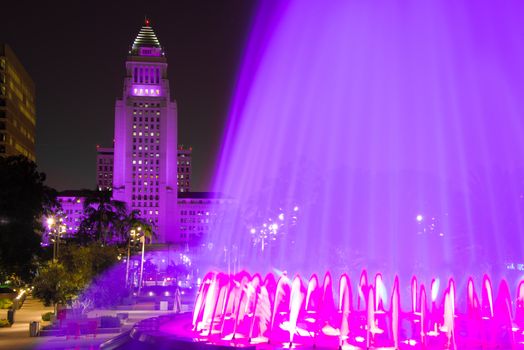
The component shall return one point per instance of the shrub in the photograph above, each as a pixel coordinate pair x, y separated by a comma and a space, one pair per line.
109, 322
47, 316
5, 303
4, 323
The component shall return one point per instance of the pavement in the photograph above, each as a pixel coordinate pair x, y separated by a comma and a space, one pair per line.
17, 336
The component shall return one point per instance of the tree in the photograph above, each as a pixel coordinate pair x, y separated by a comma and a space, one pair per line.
24, 199
54, 284
132, 221
102, 215
87, 273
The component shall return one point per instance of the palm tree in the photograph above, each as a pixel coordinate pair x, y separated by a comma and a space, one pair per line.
132, 221
102, 215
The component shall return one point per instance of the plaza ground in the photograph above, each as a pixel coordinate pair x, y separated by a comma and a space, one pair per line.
17, 336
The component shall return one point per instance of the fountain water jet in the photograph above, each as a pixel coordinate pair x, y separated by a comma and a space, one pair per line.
388, 137
245, 311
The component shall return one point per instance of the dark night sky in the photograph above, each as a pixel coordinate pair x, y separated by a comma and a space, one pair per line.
76, 53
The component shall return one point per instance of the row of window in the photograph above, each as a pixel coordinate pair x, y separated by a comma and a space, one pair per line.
145, 204
146, 75
145, 197
194, 221
146, 113
105, 160
146, 105
194, 212
146, 126
145, 190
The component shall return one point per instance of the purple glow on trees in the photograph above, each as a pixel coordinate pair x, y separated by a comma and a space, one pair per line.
366, 116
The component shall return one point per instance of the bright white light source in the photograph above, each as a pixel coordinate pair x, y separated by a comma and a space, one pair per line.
274, 227
359, 339
434, 289
295, 208
253, 231
420, 218
281, 216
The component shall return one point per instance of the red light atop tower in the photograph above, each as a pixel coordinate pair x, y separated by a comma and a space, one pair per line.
147, 21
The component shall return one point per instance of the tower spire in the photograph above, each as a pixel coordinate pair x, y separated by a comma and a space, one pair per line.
146, 38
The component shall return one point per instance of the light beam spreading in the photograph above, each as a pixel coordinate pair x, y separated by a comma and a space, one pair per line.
366, 115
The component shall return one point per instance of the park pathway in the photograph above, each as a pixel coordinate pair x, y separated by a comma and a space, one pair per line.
17, 336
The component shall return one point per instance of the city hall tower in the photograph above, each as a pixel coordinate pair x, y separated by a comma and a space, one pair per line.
145, 153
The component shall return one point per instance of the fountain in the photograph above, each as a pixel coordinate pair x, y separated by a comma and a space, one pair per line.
251, 311
386, 137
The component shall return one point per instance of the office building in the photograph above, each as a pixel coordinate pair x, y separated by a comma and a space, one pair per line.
17, 107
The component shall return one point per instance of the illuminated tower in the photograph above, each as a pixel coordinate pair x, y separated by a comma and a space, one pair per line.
145, 155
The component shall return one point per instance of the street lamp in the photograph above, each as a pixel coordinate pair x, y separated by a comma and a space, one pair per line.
132, 236
143, 240
55, 230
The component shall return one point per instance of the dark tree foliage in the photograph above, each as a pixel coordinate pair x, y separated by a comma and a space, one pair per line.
85, 271
102, 215
24, 199
109, 221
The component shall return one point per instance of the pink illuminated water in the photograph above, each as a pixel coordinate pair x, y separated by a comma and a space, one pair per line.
386, 136
241, 310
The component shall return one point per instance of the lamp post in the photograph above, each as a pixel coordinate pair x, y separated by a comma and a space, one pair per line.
132, 235
55, 231
143, 240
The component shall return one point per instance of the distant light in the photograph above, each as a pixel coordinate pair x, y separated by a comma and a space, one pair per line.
281, 216
411, 342
253, 231
295, 208
151, 294
420, 218
167, 294
273, 227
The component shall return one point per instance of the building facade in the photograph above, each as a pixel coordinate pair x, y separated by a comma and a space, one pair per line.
145, 153
184, 169
105, 161
198, 213
17, 107
72, 204
104, 168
